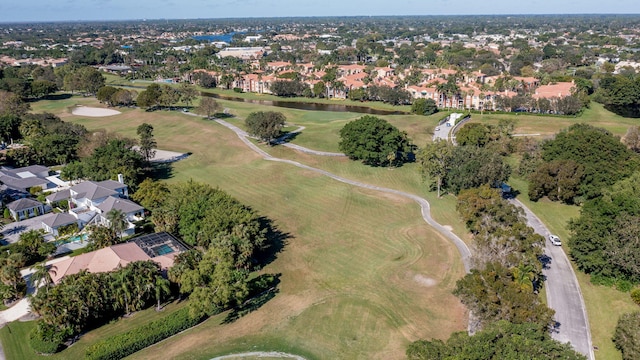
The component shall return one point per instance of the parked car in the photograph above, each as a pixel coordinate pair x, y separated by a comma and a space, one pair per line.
555, 240
438, 128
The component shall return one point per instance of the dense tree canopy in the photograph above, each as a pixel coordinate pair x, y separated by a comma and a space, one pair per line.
598, 160
374, 141
424, 107
266, 125
605, 239
115, 157
502, 340
620, 94
474, 166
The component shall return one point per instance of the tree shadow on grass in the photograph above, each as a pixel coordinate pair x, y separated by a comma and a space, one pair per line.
161, 171
276, 241
261, 289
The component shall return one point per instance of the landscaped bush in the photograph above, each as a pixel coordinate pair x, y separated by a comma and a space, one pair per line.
44, 339
635, 296
121, 345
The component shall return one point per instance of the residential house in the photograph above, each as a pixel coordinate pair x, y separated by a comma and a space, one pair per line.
51, 223
16, 183
25, 208
162, 248
90, 202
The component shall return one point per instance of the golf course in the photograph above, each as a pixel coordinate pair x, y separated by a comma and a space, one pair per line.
361, 274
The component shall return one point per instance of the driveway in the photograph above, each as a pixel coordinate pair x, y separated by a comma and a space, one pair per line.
11, 232
563, 292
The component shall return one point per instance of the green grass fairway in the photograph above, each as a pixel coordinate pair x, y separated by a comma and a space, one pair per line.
362, 274
546, 126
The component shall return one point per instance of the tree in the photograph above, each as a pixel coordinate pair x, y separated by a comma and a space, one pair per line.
474, 134
558, 179
604, 158
150, 97
374, 141
117, 222
502, 340
105, 94
424, 107
41, 276
208, 106
605, 238
287, 88
161, 288
107, 161
265, 125
473, 166
151, 194
492, 295
147, 142
632, 139
188, 93
627, 336
90, 80
319, 89
40, 88
435, 159
101, 237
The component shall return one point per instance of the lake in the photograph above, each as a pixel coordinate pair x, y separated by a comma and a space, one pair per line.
308, 106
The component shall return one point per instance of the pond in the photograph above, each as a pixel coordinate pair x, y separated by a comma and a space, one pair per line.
307, 106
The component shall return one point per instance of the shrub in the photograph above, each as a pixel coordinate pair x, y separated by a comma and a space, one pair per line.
124, 344
635, 296
6, 213
237, 89
627, 336
44, 339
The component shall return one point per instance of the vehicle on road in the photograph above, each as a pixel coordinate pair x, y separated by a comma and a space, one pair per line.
438, 128
555, 240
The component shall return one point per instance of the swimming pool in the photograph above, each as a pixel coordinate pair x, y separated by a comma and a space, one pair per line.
72, 239
163, 249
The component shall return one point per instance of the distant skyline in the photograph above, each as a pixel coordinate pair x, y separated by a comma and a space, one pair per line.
78, 10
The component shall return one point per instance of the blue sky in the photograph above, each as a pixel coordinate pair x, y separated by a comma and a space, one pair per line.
60, 10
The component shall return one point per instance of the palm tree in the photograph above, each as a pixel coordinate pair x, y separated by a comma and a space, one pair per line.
117, 221
161, 288
41, 276
121, 288
524, 275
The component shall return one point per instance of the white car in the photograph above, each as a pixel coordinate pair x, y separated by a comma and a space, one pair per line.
555, 240
438, 128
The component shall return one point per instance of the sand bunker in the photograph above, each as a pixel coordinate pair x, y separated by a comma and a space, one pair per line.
94, 112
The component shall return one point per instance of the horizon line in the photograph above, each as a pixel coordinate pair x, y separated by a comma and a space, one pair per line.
312, 17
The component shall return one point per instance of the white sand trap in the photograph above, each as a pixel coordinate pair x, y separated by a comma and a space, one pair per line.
165, 156
94, 112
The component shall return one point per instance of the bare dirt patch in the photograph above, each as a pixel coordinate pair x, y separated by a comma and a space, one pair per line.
93, 111
424, 281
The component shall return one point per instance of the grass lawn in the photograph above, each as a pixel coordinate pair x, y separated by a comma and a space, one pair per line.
546, 126
362, 274
604, 304
15, 335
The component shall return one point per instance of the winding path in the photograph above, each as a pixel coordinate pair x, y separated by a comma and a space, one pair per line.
563, 289
424, 204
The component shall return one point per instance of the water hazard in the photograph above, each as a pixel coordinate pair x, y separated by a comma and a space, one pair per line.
307, 106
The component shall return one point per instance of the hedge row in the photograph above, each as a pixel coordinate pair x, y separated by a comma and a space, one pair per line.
121, 345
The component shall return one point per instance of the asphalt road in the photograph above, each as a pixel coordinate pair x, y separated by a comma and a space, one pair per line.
563, 292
